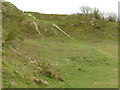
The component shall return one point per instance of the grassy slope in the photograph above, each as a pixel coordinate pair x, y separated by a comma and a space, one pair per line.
55, 58
12, 18
80, 26
78, 62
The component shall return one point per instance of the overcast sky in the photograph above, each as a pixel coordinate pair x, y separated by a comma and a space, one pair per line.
64, 6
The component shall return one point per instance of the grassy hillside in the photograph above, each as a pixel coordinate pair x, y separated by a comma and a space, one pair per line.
81, 27
36, 54
12, 18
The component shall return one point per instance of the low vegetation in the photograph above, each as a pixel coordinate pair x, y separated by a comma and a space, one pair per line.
36, 54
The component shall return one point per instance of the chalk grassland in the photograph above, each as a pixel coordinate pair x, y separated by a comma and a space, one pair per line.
58, 51
79, 64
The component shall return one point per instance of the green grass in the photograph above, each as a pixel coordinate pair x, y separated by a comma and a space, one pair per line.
90, 60
82, 64
95, 64
79, 26
21, 26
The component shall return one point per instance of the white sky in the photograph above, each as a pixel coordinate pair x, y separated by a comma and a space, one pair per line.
64, 6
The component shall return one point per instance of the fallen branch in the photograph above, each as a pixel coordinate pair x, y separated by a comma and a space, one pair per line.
31, 16
37, 28
62, 31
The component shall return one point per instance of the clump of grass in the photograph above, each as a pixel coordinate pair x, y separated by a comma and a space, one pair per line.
39, 81
6, 44
47, 69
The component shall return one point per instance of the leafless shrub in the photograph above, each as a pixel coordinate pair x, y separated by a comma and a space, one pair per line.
111, 17
86, 10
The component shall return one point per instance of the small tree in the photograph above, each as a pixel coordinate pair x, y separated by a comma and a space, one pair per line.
96, 13
86, 10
